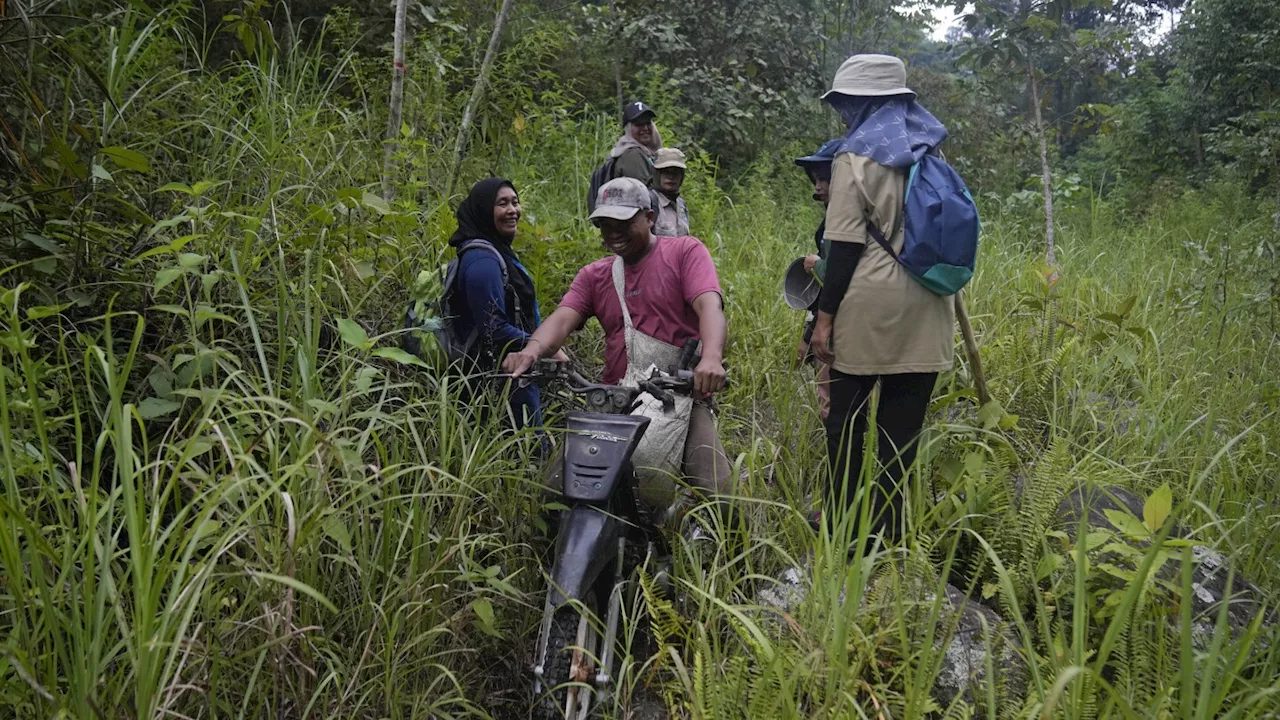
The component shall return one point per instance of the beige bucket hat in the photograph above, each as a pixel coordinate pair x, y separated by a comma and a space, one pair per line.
669, 158
870, 76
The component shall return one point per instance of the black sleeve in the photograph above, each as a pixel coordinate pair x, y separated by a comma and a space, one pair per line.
842, 260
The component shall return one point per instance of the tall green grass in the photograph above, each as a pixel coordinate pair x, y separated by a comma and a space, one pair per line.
224, 496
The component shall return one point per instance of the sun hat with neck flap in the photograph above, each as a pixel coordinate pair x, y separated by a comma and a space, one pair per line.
870, 76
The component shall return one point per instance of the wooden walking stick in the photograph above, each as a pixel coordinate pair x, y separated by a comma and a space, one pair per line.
971, 349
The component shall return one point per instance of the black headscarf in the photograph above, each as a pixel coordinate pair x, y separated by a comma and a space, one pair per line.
475, 221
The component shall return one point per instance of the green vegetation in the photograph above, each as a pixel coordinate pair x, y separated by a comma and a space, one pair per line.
227, 494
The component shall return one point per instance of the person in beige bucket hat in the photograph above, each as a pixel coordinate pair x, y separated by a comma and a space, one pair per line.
876, 326
673, 214
870, 76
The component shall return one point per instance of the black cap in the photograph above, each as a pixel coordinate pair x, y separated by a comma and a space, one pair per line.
635, 111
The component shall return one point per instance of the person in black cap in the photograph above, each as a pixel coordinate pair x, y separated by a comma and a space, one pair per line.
818, 167
632, 156
634, 152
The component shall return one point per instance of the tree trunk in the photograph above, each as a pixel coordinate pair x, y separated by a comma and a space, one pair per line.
395, 112
1046, 175
477, 92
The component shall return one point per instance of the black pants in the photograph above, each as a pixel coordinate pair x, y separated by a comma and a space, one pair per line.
904, 399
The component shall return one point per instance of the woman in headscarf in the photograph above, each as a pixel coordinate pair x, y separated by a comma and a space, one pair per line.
876, 324
504, 316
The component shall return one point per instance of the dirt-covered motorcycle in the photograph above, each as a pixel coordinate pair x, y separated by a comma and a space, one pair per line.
604, 536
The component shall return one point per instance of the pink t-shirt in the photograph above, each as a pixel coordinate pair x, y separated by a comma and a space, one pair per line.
660, 292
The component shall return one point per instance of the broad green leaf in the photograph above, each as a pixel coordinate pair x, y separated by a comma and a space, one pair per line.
975, 463
44, 311
1048, 565
205, 313
166, 277
205, 186
353, 335
322, 407
208, 280
1126, 306
53, 247
1126, 523
128, 159
991, 414
175, 187
398, 355
1157, 507
101, 173
152, 408
175, 309
484, 616
190, 260
375, 203
365, 378
336, 530
1112, 318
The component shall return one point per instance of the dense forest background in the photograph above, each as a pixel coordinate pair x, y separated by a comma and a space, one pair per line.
227, 492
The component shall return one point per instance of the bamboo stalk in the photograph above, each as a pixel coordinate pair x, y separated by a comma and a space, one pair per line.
477, 92
395, 111
971, 349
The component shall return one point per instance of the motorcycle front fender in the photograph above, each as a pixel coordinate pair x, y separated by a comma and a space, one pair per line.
588, 541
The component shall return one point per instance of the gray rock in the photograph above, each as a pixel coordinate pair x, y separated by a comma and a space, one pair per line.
1208, 576
1209, 590
787, 594
980, 632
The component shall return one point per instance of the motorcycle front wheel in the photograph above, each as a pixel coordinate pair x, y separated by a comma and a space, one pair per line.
566, 689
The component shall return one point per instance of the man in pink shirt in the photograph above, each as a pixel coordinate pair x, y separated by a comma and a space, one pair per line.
672, 295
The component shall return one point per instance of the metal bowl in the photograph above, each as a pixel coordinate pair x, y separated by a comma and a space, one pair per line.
799, 287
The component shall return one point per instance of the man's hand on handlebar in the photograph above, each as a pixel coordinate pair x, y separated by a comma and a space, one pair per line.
518, 363
708, 377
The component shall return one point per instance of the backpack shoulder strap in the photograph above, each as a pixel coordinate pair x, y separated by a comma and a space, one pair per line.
482, 244
902, 216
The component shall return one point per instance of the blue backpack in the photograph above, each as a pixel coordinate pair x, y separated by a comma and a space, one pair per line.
942, 227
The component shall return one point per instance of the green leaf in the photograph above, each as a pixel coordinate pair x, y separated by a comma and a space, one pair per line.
991, 414
152, 408
175, 309
398, 355
364, 378
1048, 565
43, 311
166, 277
205, 186
190, 261
175, 187
301, 587
205, 313
336, 530
322, 407
50, 246
101, 173
1157, 507
208, 280
128, 159
353, 335
375, 203
1112, 318
1126, 306
1126, 523
484, 616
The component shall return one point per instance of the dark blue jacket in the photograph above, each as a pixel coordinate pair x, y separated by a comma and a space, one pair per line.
492, 308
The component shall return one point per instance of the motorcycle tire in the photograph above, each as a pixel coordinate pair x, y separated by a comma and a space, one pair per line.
564, 696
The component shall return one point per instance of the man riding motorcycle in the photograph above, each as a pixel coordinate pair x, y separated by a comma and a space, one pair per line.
652, 296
